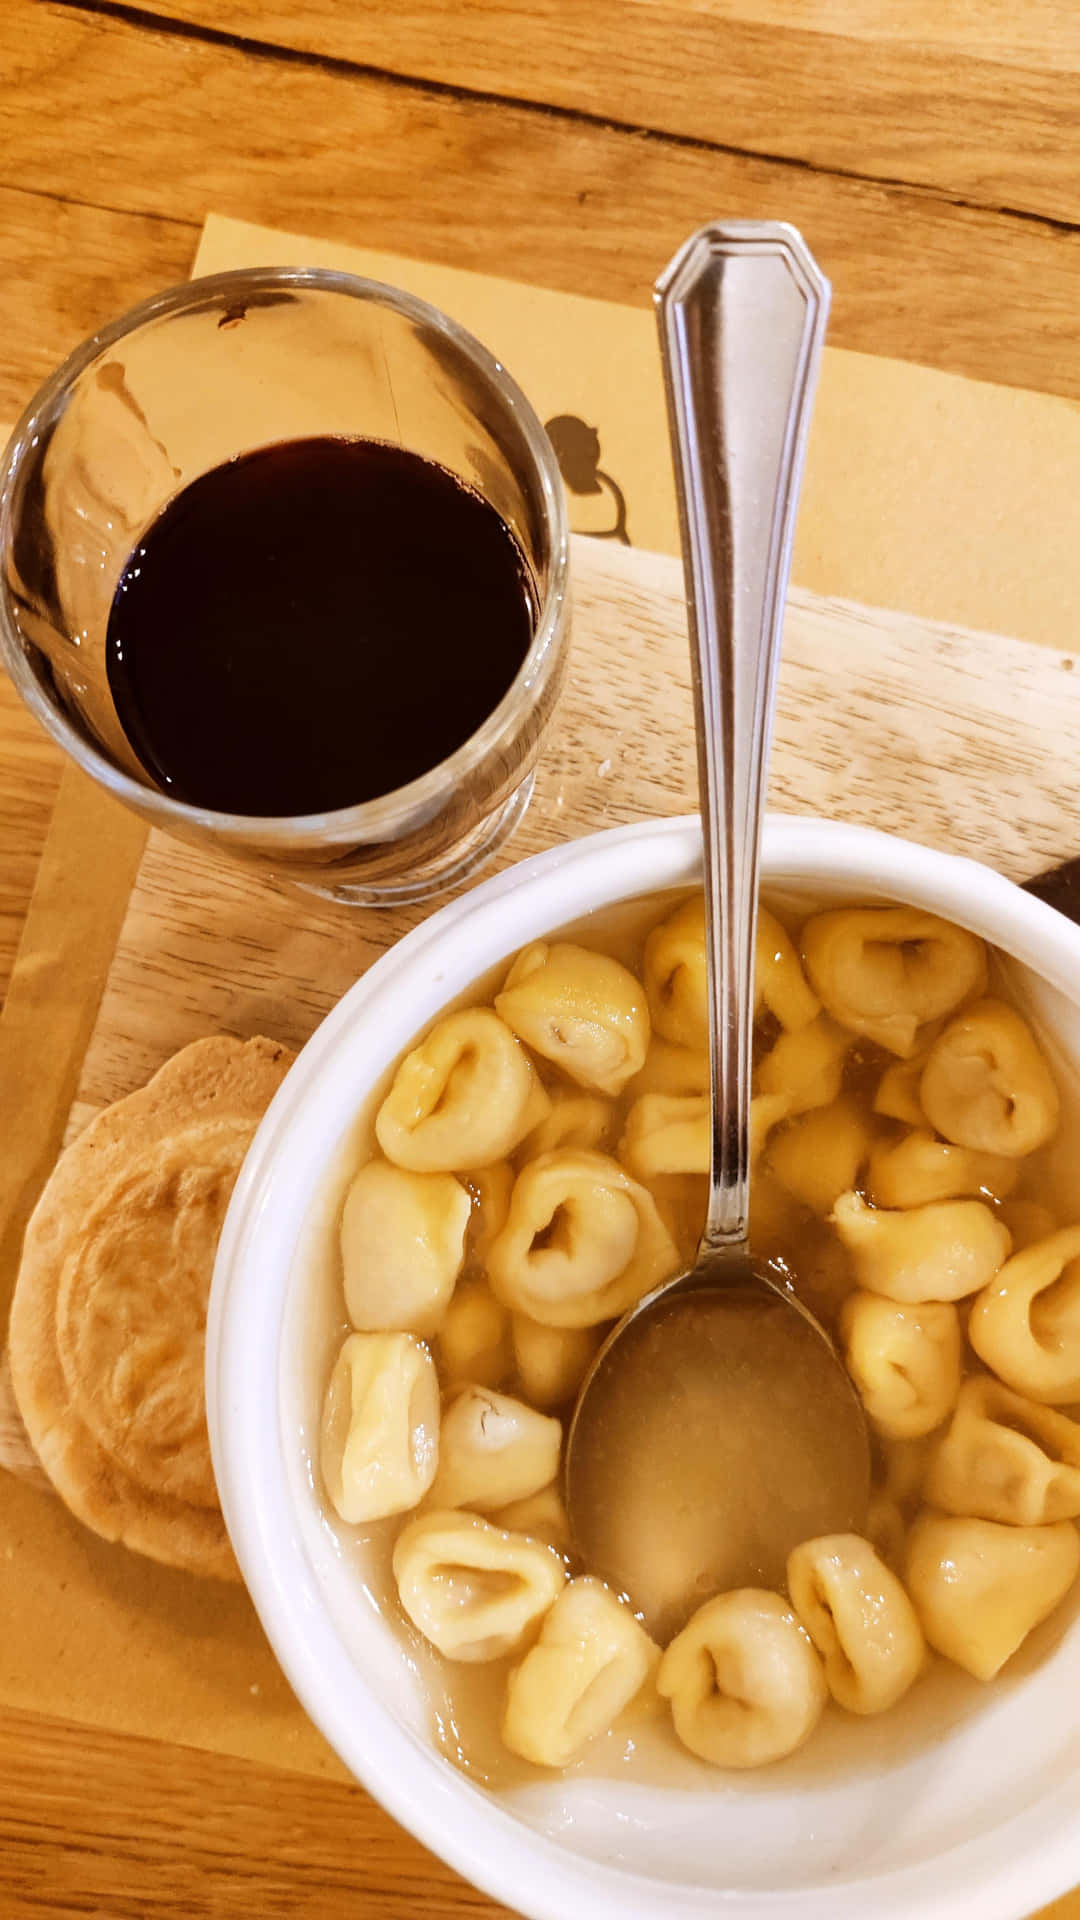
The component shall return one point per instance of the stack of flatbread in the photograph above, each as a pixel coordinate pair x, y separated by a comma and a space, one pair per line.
107, 1335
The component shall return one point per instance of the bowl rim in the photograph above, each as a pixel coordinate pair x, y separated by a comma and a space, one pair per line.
1027, 1860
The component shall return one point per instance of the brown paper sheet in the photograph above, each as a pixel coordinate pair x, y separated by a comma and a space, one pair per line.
924, 492
944, 497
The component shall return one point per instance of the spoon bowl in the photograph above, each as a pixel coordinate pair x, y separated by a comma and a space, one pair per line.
717, 1428
718, 1478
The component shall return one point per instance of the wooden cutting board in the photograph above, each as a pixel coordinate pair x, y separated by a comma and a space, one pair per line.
966, 741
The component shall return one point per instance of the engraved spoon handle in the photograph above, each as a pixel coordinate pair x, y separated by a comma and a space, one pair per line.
741, 310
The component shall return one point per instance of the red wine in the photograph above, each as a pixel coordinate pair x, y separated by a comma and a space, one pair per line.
315, 624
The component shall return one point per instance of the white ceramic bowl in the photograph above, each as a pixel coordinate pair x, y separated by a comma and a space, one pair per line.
964, 1803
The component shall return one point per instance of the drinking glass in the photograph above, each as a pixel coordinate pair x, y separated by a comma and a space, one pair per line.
216, 368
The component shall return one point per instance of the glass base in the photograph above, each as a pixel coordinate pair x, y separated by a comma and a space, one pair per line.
438, 877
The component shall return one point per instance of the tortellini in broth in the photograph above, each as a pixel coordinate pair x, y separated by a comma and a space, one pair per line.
402, 1246
745, 1684
887, 972
987, 1085
906, 1361
463, 1098
591, 1658
472, 1589
581, 1010
980, 1587
541, 1163
380, 1426
583, 1241
493, 1449
859, 1619
1025, 1326
1005, 1458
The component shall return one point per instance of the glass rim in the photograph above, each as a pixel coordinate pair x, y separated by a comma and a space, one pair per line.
402, 807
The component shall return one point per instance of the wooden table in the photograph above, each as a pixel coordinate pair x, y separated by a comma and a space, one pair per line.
931, 155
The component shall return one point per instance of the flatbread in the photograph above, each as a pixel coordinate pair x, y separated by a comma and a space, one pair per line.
108, 1321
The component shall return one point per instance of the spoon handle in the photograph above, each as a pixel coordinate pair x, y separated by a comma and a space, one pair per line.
742, 310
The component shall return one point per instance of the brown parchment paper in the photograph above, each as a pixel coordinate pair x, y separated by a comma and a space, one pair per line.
945, 497
925, 492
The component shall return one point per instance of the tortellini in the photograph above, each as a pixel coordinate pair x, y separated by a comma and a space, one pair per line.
670, 1068
493, 1449
979, 1588
766, 1112
940, 1252
473, 1590
542, 1516
676, 979
551, 1361
575, 1120
779, 981
543, 1163
463, 1098
473, 1343
885, 972
581, 1010
682, 1201
920, 1168
807, 1066
745, 1684
859, 1619
904, 1360
897, 1094
1005, 1458
380, 1426
591, 1658
676, 976
986, 1084
667, 1133
672, 1133
1026, 1326
818, 1156
402, 1246
582, 1243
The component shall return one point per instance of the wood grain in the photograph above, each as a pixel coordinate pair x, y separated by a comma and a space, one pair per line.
456, 179
68, 267
30, 770
156, 1829
962, 99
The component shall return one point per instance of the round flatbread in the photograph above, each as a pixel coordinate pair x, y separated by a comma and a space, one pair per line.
108, 1321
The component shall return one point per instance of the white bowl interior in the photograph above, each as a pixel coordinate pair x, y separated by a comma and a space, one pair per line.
957, 1802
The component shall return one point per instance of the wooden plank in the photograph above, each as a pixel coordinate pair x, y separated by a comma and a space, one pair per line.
30, 770
968, 99
152, 1829
398, 166
69, 267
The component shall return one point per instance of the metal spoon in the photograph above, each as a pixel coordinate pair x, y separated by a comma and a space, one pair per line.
717, 1427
